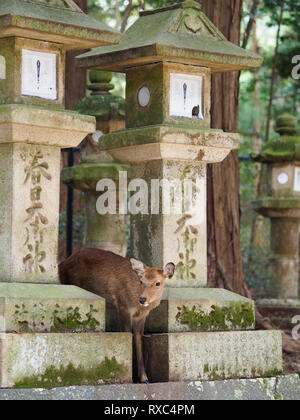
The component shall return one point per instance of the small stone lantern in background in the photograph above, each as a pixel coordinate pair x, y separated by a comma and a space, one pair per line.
282, 206
107, 231
168, 56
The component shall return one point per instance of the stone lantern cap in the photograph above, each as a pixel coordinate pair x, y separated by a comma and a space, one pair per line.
180, 33
60, 21
284, 148
101, 103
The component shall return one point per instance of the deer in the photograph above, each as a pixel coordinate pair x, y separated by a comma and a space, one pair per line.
128, 284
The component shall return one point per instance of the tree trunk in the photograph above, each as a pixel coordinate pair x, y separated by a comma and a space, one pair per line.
75, 78
257, 234
75, 90
224, 250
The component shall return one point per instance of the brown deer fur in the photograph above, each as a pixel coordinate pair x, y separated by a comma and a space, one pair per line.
129, 285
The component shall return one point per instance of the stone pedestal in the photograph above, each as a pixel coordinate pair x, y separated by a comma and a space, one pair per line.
29, 181
52, 360
213, 355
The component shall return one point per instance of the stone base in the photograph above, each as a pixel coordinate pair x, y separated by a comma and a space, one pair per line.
280, 311
49, 308
199, 309
285, 387
50, 360
212, 355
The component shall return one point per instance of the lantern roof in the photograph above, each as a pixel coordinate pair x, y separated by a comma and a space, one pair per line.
60, 21
180, 33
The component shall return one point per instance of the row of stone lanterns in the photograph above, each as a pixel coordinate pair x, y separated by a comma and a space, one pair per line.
282, 206
168, 56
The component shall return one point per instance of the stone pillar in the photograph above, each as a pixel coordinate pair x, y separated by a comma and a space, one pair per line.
285, 257
168, 138
107, 231
40, 320
282, 206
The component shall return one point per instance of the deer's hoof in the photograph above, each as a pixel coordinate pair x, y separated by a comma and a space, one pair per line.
146, 382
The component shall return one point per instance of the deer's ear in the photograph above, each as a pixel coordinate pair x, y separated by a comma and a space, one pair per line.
169, 270
138, 266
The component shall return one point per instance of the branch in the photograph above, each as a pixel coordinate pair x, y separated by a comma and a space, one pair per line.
272, 88
126, 16
252, 19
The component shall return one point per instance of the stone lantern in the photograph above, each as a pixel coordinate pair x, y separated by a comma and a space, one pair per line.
105, 231
282, 206
34, 126
168, 56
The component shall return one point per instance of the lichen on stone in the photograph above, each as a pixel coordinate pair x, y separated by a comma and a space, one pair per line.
237, 315
72, 320
109, 371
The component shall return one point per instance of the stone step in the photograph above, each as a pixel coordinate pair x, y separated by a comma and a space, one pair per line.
281, 312
49, 360
212, 355
201, 309
49, 308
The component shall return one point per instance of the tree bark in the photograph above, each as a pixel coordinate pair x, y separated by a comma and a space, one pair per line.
274, 69
75, 78
224, 251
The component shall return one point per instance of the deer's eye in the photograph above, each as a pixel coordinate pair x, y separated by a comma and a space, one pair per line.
157, 284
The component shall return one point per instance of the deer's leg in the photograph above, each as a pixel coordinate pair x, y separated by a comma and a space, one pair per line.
138, 330
125, 320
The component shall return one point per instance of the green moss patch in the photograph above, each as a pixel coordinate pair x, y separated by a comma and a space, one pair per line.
73, 320
108, 372
237, 316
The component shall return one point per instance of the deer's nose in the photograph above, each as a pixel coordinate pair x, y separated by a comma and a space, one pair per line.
142, 300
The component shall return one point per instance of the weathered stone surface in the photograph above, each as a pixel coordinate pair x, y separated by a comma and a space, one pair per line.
180, 33
29, 181
48, 360
276, 388
85, 176
58, 21
11, 85
213, 355
279, 303
281, 312
157, 78
157, 239
24, 124
169, 142
49, 308
200, 309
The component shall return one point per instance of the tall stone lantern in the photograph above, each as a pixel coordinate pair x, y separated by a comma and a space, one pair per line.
105, 231
168, 56
34, 126
282, 206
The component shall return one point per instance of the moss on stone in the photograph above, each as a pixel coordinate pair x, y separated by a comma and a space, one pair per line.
215, 373
280, 149
106, 107
73, 321
109, 371
237, 315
